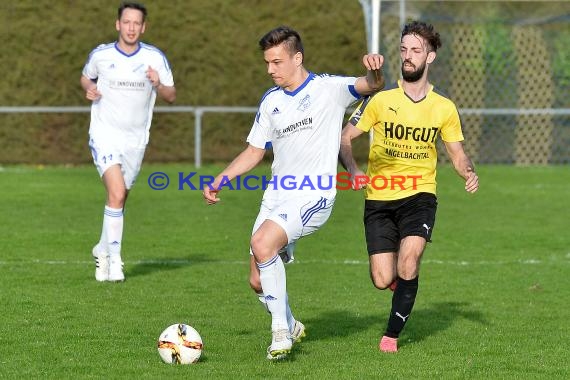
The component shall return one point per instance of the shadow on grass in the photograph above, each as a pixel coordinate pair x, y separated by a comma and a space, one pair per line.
423, 322
340, 323
147, 266
438, 317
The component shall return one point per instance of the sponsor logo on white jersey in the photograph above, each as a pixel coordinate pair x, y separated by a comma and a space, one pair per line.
138, 67
304, 103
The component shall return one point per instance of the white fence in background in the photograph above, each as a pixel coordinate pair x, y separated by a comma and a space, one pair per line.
199, 111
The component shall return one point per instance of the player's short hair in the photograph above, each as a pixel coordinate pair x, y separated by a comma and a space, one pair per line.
131, 5
282, 34
424, 30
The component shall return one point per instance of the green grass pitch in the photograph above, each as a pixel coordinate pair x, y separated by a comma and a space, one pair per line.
494, 298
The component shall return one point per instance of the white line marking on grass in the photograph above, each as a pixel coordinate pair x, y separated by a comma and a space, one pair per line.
443, 262
296, 262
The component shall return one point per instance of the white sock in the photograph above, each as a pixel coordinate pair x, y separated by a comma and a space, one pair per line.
103, 239
274, 285
290, 319
113, 229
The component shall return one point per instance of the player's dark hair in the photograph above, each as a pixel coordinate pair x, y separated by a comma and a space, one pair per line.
424, 30
282, 34
131, 5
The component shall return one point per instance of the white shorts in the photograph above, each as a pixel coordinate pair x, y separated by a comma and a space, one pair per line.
298, 217
107, 155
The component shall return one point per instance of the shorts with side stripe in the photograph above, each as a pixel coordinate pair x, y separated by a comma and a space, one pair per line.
297, 216
386, 223
106, 154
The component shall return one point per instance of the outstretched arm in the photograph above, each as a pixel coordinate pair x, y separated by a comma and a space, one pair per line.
463, 165
350, 132
243, 163
374, 79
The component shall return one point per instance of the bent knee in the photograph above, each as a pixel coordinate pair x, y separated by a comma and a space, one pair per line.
260, 248
381, 282
116, 199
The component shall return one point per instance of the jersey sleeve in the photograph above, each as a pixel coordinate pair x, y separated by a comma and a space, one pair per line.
260, 135
451, 128
90, 68
164, 71
342, 89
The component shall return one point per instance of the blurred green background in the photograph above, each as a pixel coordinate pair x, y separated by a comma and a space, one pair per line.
495, 54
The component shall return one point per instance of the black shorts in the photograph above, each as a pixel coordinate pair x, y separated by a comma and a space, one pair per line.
388, 222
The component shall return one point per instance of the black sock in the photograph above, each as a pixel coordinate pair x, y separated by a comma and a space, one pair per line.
402, 304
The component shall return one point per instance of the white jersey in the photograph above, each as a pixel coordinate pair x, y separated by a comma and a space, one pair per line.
304, 129
123, 114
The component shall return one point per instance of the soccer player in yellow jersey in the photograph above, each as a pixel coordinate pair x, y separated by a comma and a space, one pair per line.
400, 204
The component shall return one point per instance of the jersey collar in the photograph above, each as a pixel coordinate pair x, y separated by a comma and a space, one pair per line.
125, 54
412, 100
302, 86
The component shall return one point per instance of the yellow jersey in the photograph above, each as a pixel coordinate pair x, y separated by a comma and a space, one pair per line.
403, 155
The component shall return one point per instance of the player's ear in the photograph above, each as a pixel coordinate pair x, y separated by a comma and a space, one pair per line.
298, 58
431, 57
118, 25
143, 27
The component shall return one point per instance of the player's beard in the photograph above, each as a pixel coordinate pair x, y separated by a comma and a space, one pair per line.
413, 76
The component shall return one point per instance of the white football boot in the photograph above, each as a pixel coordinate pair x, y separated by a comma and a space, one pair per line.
281, 344
298, 332
101, 264
116, 268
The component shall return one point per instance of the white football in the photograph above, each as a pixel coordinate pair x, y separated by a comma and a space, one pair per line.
180, 344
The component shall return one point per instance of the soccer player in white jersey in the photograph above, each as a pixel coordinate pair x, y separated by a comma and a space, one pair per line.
302, 118
122, 79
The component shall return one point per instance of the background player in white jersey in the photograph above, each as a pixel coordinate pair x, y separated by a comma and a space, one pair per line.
302, 118
122, 80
